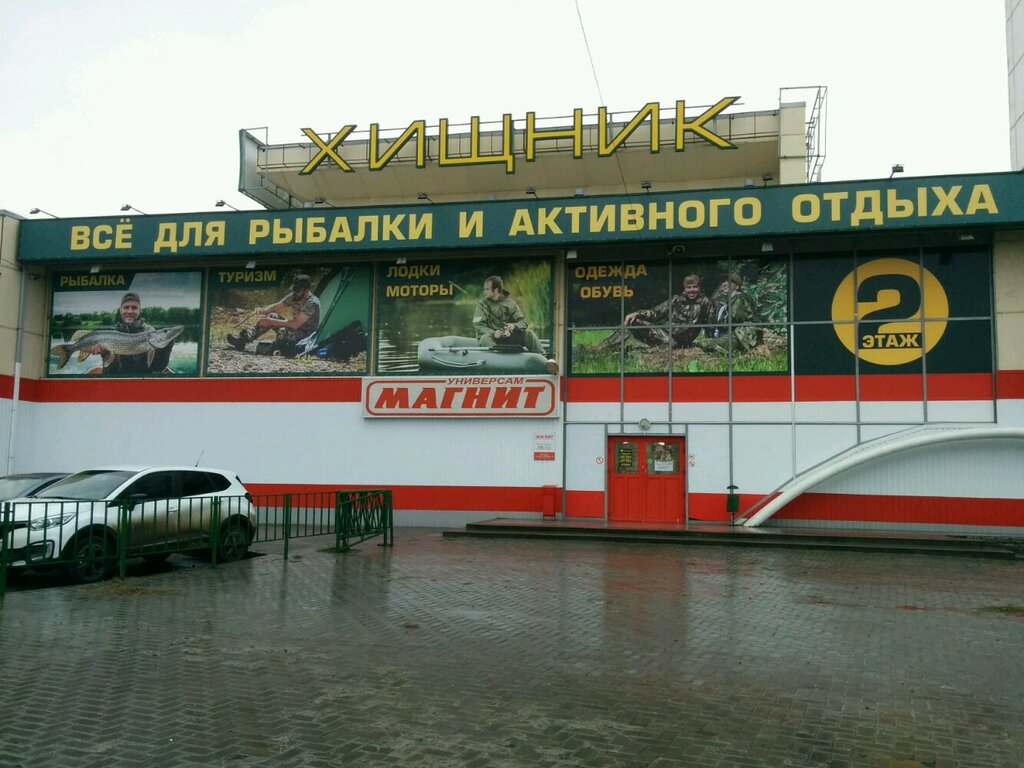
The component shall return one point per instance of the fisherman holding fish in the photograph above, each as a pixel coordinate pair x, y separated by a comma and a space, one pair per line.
130, 321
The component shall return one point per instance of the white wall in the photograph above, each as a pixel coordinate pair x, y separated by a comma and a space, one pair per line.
984, 469
287, 443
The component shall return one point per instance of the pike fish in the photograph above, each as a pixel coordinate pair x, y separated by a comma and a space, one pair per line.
116, 343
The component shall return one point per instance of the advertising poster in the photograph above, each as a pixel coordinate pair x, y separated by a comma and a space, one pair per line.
289, 320
684, 316
439, 317
893, 312
125, 323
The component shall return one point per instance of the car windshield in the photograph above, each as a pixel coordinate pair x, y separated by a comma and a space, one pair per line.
13, 486
91, 485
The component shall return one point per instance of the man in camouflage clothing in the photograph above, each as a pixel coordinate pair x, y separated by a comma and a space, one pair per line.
734, 310
687, 312
293, 318
498, 320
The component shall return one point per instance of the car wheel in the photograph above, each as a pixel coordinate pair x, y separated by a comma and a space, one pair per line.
91, 557
234, 542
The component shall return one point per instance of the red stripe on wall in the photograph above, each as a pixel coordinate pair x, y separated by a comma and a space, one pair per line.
952, 386
825, 388
466, 498
584, 504
603, 389
774, 389
703, 507
711, 507
1010, 385
249, 390
932, 510
892, 387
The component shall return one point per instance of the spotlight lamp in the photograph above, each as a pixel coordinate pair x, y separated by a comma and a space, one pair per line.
646, 186
34, 211
424, 196
897, 168
222, 204
130, 207
531, 191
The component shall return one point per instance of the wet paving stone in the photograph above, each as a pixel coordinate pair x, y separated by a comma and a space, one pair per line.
501, 653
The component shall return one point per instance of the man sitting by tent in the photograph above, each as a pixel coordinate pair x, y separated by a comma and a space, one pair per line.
294, 318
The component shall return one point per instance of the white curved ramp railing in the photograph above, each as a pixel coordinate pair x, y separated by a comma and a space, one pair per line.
883, 446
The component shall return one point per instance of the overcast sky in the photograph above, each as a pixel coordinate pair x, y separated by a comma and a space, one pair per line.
108, 102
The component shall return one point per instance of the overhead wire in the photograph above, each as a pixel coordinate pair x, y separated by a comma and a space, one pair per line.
600, 95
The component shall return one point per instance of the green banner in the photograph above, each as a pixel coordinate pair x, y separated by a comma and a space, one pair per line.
892, 204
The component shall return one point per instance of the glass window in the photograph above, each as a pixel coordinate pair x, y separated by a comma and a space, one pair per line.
195, 483
626, 458
90, 485
662, 458
217, 482
155, 485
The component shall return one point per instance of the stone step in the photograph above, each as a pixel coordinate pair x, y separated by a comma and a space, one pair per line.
861, 541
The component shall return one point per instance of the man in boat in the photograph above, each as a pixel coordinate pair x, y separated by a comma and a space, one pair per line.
687, 312
498, 320
293, 318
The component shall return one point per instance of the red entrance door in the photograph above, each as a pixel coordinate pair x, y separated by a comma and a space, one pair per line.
646, 481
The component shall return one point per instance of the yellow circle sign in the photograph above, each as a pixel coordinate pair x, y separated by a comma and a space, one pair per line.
878, 311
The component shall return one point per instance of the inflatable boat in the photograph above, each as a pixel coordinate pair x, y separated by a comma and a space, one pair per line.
460, 354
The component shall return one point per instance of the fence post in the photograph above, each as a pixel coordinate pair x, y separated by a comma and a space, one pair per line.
214, 530
124, 512
287, 522
345, 520
389, 536
5, 528
337, 521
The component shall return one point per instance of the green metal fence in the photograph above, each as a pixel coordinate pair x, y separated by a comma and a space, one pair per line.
93, 540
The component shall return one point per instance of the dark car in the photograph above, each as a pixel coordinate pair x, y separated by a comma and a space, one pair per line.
27, 483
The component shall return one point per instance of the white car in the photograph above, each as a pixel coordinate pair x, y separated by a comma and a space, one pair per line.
27, 483
77, 520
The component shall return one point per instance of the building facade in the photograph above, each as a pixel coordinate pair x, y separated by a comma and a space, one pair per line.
736, 341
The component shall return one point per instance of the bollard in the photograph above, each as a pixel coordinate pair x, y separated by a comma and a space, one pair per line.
732, 502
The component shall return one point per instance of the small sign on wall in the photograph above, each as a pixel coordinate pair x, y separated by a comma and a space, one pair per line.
544, 446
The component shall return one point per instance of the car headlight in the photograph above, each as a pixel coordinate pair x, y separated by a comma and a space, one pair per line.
51, 521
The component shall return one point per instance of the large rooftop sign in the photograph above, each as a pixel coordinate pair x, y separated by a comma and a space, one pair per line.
943, 201
501, 152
